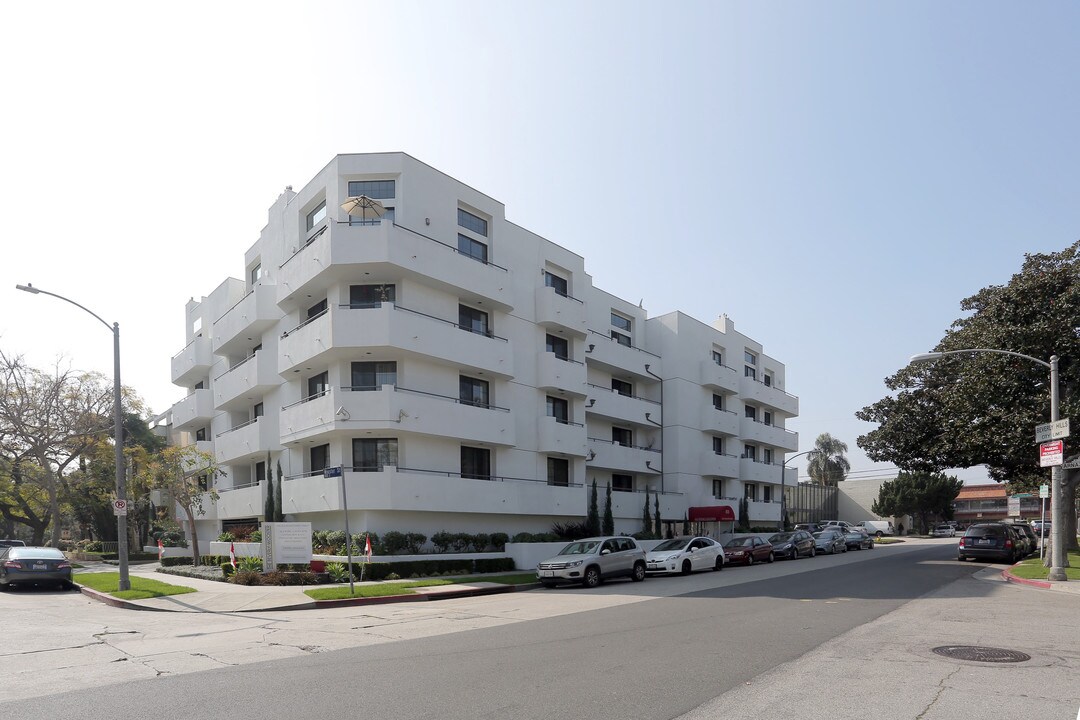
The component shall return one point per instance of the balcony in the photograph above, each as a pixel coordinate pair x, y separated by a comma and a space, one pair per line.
243, 324
245, 383
758, 472
712, 465
763, 511
719, 377
630, 505
410, 490
758, 432
246, 442
557, 311
625, 459
389, 250
237, 502
338, 333
196, 410
193, 362
560, 438
566, 377
605, 353
759, 393
722, 422
607, 403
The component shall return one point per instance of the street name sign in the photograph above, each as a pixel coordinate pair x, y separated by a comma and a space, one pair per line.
1052, 430
1073, 464
1051, 453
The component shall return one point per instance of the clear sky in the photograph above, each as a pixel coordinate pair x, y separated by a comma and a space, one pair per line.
835, 176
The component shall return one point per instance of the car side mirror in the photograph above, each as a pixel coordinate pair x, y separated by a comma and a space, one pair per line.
693, 550
605, 551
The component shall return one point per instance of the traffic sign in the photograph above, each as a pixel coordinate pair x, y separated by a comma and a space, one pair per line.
119, 507
1052, 430
1044, 491
1051, 453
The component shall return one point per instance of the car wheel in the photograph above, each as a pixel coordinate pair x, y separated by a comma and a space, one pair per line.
749, 560
878, 534
591, 578
686, 567
639, 571
771, 556
719, 563
813, 551
794, 553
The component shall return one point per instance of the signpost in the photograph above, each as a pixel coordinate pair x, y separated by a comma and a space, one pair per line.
1044, 492
339, 472
119, 507
1052, 430
1051, 453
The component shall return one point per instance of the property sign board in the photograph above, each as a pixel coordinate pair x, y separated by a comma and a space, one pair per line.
1052, 431
1051, 453
1014, 506
285, 543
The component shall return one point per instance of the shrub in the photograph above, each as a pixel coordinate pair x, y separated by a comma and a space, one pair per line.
245, 577
173, 561
255, 536
393, 542
335, 538
480, 542
499, 540
338, 572
442, 541
490, 565
226, 537
393, 576
461, 542
414, 542
318, 538
523, 537
277, 577
249, 564
570, 530
94, 546
226, 570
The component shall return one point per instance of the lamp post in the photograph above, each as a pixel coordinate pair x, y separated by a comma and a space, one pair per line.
121, 485
1057, 505
783, 486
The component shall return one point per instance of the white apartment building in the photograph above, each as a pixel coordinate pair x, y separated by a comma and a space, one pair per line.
464, 373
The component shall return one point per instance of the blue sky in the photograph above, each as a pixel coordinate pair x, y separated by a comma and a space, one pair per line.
835, 176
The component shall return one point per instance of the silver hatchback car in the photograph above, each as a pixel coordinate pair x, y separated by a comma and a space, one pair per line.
593, 560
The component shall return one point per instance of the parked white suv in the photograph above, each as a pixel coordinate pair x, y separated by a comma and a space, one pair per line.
593, 560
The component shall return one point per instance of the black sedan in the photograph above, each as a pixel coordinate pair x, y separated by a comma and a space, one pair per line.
830, 541
989, 541
857, 539
34, 566
792, 545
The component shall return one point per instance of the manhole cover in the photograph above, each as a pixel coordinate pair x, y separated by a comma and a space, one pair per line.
981, 654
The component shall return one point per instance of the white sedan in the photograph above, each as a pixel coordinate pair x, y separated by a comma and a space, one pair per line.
944, 531
684, 555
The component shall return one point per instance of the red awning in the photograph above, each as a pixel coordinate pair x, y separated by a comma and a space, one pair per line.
719, 513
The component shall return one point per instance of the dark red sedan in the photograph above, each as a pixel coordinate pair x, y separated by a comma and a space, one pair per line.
747, 550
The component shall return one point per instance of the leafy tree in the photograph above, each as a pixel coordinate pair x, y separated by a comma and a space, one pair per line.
592, 520
826, 463
188, 475
646, 522
608, 524
921, 495
981, 409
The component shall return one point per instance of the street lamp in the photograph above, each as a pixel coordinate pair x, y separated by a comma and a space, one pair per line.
1057, 506
121, 489
783, 494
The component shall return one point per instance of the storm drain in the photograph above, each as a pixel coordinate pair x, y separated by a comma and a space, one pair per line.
981, 654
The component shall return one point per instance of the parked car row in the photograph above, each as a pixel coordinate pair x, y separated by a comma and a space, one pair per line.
591, 561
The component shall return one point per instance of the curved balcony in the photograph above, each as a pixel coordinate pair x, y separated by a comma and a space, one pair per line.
763, 511
718, 377
721, 422
758, 472
607, 403
196, 410
621, 458
337, 334
560, 311
566, 377
244, 323
246, 382
603, 352
759, 432
193, 362
560, 438
759, 393
333, 254
712, 464
246, 442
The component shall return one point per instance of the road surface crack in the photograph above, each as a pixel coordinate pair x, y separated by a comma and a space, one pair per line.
938, 694
209, 657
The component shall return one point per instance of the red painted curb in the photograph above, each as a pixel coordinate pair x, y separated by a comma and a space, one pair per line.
1024, 581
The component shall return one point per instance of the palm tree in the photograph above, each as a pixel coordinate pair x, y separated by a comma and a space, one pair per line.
826, 463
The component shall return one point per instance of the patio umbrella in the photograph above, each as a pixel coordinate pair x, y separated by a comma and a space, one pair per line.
364, 207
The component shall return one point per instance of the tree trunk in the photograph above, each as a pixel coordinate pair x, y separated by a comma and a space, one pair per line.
194, 537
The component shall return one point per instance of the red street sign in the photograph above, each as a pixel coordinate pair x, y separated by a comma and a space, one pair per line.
1051, 453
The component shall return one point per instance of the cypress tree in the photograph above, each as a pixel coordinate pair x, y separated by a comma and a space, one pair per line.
278, 515
609, 520
268, 509
592, 521
686, 524
656, 511
646, 527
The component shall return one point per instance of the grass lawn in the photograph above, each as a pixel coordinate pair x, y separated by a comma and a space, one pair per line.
886, 541
1032, 568
141, 587
405, 588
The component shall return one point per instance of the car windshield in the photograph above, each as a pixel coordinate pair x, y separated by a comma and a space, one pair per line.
35, 552
780, 537
825, 534
740, 543
580, 548
673, 544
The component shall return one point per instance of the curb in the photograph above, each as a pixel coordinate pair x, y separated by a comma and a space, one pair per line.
1009, 577
115, 601
424, 597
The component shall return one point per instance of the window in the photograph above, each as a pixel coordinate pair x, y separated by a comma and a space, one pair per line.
200, 434
257, 411
717, 357
374, 189
766, 493
622, 483
557, 345
718, 401
751, 363
766, 456
374, 454
559, 409
256, 274
751, 412
750, 452
203, 481
622, 387
317, 309
471, 222
200, 385
260, 472
373, 375
766, 417
370, 296
618, 337
558, 472
622, 436
750, 372
473, 392
317, 215
749, 357
388, 216
320, 458
473, 320
750, 489
554, 281
767, 379
717, 488
475, 463
472, 248
718, 445
317, 385
622, 323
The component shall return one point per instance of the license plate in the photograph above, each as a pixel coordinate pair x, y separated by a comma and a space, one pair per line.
39, 566
984, 541
547, 573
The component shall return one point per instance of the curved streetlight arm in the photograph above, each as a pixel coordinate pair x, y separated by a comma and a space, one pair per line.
923, 357
38, 291
783, 485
